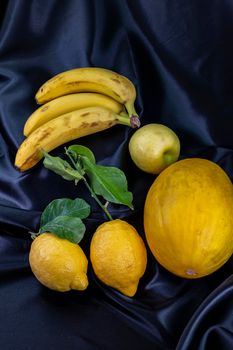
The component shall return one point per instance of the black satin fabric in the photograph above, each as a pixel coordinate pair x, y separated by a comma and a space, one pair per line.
179, 56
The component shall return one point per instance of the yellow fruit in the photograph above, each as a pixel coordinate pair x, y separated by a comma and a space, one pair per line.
58, 263
188, 218
66, 104
118, 256
63, 129
153, 147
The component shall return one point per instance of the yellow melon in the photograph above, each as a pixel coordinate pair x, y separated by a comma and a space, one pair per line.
188, 217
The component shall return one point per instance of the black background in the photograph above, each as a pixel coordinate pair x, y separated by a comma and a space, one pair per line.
179, 55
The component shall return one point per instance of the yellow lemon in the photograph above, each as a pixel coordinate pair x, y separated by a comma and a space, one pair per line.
188, 217
118, 256
58, 263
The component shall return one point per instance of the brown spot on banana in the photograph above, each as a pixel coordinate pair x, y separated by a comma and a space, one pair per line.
45, 134
67, 120
73, 83
44, 108
85, 125
116, 80
94, 124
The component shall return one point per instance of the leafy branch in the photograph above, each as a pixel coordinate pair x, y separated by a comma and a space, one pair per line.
106, 181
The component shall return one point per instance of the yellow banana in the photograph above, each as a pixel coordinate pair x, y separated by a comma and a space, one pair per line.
69, 103
65, 128
92, 79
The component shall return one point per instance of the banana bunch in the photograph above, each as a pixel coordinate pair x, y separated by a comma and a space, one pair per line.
76, 103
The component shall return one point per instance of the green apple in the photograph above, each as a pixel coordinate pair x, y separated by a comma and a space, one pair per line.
153, 147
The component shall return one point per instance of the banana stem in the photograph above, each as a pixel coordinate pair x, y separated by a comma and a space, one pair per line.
129, 105
133, 121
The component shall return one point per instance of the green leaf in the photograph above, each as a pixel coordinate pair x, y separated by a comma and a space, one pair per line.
70, 228
61, 167
64, 216
65, 207
109, 182
79, 150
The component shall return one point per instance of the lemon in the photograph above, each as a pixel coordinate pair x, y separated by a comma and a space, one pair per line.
58, 263
118, 256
